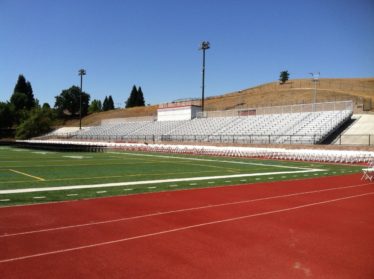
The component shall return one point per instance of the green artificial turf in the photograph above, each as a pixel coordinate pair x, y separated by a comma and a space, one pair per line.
27, 168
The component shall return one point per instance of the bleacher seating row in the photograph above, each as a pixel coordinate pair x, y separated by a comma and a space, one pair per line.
301, 128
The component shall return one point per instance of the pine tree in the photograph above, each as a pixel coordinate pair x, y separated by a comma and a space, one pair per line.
110, 103
23, 97
105, 104
140, 98
131, 101
21, 85
31, 102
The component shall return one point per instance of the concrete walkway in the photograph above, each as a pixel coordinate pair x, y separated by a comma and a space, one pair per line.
358, 133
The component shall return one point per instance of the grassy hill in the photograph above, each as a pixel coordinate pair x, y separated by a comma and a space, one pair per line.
296, 91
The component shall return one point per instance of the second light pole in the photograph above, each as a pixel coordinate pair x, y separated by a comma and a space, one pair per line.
81, 72
315, 77
204, 46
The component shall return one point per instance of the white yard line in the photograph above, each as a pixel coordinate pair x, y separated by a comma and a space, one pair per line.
142, 236
144, 182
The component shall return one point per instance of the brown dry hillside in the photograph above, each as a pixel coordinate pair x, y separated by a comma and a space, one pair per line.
296, 92
95, 118
360, 90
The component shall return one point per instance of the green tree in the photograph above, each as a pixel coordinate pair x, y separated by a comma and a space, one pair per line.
110, 102
46, 106
23, 87
284, 76
31, 101
95, 106
140, 98
105, 104
19, 101
6, 115
69, 102
131, 101
39, 122
136, 98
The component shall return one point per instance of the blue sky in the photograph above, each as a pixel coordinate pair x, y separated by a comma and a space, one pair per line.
154, 44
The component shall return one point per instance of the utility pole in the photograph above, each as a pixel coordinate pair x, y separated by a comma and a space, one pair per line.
204, 46
315, 77
81, 72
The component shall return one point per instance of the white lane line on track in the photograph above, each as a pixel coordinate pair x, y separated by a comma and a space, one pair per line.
145, 182
184, 210
182, 228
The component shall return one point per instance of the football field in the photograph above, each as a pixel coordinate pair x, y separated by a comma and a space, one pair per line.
33, 176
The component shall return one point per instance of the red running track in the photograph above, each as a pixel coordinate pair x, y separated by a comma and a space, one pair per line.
312, 228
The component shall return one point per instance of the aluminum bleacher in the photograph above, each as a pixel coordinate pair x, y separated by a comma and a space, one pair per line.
277, 128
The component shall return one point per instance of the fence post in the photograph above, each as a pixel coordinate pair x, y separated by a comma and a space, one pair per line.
340, 139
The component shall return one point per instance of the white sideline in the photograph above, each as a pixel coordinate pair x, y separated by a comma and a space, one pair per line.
92, 186
181, 229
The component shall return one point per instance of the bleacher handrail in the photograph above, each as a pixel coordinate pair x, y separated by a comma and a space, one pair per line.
294, 108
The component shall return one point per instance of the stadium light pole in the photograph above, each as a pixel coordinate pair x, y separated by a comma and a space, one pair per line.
81, 72
315, 77
204, 46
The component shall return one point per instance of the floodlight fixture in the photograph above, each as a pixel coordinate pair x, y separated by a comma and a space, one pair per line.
205, 45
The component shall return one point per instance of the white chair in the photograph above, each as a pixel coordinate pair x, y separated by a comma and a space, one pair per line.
368, 173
